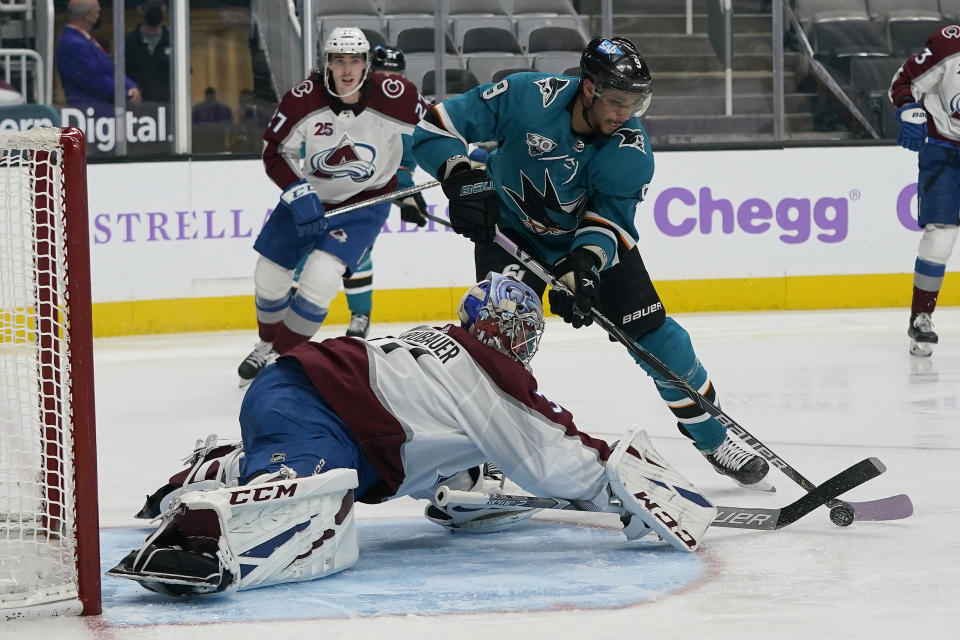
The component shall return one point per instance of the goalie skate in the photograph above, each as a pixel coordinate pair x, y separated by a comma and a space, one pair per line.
255, 535
479, 519
655, 497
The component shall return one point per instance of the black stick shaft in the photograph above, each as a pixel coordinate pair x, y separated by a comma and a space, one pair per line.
733, 517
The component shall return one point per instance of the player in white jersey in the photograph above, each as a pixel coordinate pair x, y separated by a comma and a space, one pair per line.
395, 416
335, 139
926, 93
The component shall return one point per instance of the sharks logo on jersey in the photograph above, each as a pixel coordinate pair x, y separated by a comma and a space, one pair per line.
535, 206
347, 159
550, 88
631, 138
537, 145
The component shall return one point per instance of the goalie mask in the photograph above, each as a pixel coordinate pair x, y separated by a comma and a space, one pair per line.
505, 314
350, 41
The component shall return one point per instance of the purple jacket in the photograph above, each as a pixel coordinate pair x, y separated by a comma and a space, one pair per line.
86, 72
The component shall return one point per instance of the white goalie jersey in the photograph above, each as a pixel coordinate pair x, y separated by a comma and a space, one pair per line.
434, 401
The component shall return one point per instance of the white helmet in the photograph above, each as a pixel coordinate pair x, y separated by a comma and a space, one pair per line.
345, 40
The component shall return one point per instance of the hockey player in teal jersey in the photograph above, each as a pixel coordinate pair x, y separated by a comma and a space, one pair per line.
571, 165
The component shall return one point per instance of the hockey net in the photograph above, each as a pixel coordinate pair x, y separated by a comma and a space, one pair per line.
49, 550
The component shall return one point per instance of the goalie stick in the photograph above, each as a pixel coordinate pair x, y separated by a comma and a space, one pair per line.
733, 517
842, 513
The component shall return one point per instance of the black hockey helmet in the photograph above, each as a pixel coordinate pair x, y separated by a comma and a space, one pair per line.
388, 58
617, 64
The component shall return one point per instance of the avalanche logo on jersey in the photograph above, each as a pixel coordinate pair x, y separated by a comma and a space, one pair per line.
344, 161
339, 235
535, 206
631, 138
537, 145
550, 88
954, 106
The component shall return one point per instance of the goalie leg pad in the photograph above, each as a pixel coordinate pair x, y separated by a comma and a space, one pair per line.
261, 534
213, 464
656, 495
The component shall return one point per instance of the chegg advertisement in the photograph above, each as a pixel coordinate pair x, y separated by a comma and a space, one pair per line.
741, 225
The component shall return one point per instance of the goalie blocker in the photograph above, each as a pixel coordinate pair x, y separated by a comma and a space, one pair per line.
255, 535
655, 497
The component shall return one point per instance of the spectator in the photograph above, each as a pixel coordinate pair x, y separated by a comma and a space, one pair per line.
210, 110
148, 52
86, 69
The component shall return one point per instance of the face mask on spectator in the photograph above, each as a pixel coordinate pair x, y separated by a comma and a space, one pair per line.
96, 25
153, 16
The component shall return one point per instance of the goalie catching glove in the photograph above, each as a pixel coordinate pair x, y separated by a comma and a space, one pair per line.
579, 272
474, 209
303, 204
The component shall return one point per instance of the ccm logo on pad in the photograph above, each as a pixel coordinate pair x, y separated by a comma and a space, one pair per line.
657, 511
263, 493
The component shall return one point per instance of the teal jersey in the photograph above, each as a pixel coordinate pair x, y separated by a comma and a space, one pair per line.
558, 190
407, 164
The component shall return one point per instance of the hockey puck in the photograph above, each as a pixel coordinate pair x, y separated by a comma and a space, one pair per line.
842, 515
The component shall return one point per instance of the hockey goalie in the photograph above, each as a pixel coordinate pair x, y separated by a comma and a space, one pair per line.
347, 418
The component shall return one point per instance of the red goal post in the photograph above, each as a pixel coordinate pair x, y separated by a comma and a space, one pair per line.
49, 525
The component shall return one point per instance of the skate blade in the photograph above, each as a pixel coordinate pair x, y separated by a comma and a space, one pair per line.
763, 485
243, 382
921, 349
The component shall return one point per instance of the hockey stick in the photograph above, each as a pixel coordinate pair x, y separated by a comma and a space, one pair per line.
734, 517
396, 195
841, 513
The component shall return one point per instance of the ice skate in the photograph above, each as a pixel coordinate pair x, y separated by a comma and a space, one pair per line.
262, 355
745, 468
359, 326
922, 335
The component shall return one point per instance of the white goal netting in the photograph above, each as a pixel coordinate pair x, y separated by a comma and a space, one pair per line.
37, 516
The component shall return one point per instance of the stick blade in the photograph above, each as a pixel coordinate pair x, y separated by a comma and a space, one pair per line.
839, 484
895, 507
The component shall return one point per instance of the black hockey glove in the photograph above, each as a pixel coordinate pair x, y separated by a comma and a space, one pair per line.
579, 271
474, 210
413, 209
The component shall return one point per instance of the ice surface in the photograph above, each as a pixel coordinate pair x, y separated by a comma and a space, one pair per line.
822, 389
